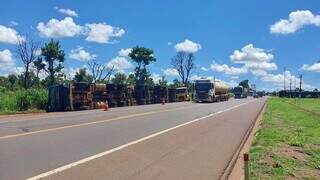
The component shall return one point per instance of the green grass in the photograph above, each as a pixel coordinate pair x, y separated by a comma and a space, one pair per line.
31, 100
288, 141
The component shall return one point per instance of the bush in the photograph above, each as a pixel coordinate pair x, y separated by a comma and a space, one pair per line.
22, 100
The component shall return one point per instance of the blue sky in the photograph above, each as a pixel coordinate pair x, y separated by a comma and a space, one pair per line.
232, 40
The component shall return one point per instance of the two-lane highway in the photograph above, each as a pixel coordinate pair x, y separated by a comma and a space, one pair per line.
34, 144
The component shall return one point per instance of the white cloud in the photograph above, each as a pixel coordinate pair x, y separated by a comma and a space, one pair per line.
13, 23
125, 52
296, 21
188, 46
7, 64
67, 12
313, 68
204, 69
70, 72
170, 72
265, 66
9, 35
156, 77
224, 68
6, 59
81, 55
102, 32
251, 54
278, 80
58, 29
120, 64
169, 43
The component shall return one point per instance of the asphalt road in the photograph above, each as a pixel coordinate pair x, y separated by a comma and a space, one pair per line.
200, 149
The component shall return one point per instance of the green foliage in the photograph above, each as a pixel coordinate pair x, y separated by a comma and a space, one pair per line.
163, 82
83, 76
244, 83
119, 79
22, 100
142, 57
54, 56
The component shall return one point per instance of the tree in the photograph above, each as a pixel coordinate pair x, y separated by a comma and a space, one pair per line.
99, 71
142, 57
26, 51
163, 82
39, 66
83, 76
184, 64
54, 57
131, 80
175, 84
244, 83
119, 79
12, 79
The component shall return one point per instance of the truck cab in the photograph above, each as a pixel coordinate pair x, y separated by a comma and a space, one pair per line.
203, 90
182, 94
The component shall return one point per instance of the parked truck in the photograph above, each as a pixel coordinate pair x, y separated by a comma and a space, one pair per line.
240, 92
182, 94
206, 90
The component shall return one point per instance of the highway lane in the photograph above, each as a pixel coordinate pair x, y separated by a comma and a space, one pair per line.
27, 155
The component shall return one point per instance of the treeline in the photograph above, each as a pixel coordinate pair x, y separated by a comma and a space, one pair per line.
42, 67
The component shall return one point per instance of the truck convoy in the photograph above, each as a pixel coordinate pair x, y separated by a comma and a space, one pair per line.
207, 90
240, 92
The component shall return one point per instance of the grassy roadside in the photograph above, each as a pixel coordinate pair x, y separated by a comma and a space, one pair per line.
287, 145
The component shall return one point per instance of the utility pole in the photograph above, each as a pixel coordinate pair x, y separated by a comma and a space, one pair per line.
290, 88
300, 89
284, 78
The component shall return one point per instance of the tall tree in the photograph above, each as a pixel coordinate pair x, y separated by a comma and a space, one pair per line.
39, 66
100, 72
244, 83
54, 56
142, 57
131, 80
119, 79
26, 51
83, 76
184, 64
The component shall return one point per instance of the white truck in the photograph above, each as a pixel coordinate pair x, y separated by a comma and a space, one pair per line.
207, 90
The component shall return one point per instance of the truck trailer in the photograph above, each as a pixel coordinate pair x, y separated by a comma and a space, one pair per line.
207, 90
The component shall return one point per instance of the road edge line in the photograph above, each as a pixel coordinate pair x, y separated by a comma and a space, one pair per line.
82, 161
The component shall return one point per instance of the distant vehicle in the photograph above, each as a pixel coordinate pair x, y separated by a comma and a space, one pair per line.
240, 92
260, 93
182, 94
255, 95
206, 90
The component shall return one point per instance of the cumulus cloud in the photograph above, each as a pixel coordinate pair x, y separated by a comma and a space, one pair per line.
249, 53
103, 33
7, 63
188, 46
67, 12
313, 68
204, 69
81, 55
120, 64
6, 59
170, 72
124, 52
9, 35
156, 77
265, 66
278, 80
224, 68
58, 29
297, 20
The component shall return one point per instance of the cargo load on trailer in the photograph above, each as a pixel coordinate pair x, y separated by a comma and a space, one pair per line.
240, 92
207, 90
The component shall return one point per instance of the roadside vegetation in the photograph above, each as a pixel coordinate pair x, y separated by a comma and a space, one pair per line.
287, 145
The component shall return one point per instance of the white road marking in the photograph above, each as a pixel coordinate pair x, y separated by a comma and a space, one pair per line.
82, 161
